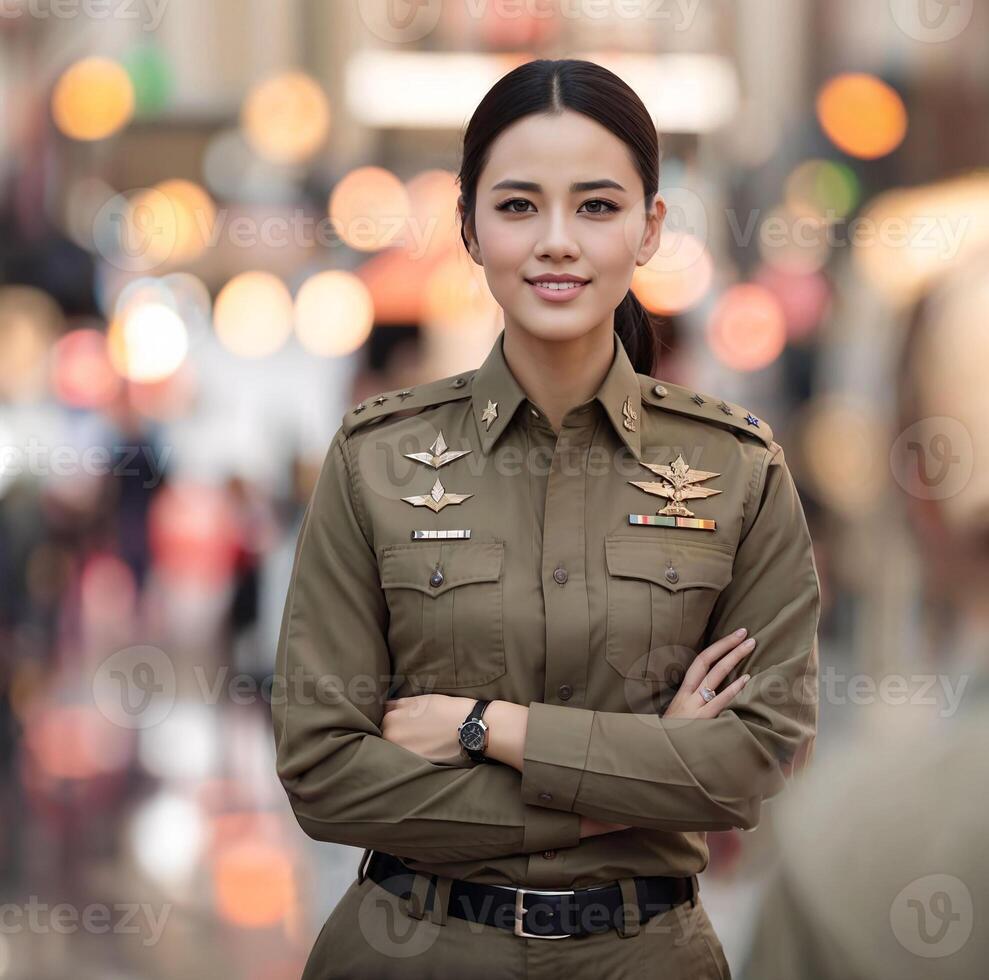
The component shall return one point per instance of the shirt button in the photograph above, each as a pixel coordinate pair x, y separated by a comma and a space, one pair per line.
549, 855
672, 575
545, 796
534, 413
436, 578
564, 691
561, 575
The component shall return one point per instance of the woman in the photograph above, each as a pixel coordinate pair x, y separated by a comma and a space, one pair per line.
510, 639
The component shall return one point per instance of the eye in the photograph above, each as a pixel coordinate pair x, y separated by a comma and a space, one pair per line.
507, 205
609, 207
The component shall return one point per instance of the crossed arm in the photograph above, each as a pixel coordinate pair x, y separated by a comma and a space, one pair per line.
350, 784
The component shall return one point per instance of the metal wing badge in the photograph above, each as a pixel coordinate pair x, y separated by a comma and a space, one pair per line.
438, 454
680, 485
437, 498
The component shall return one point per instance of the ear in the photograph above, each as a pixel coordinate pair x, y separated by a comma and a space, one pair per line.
654, 227
468, 232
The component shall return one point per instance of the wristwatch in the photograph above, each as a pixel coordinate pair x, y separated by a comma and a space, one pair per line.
473, 733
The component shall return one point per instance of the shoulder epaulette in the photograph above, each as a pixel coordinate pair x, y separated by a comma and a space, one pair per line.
686, 401
408, 400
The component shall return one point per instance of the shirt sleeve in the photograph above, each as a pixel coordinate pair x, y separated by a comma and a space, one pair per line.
346, 783
705, 773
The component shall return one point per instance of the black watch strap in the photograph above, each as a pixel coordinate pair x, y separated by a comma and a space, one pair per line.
477, 755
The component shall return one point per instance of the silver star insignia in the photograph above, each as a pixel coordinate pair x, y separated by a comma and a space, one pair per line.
438, 454
437, 498
680, 479
490, 414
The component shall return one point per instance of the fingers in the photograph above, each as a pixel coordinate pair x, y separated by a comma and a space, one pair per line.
728, 662
717, 704
709, 656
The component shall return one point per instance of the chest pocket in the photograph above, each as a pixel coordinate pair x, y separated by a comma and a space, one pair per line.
660, 596
445, 603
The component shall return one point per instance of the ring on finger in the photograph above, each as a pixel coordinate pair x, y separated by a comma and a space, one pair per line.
707, 694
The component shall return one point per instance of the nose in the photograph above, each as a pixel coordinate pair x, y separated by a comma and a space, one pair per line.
557, 240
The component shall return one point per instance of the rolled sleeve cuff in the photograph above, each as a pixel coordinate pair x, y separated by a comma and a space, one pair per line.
554, 754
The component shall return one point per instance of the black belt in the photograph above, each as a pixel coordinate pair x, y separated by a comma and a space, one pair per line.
536, 912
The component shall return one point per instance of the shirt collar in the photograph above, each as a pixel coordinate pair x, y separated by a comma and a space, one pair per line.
497, 395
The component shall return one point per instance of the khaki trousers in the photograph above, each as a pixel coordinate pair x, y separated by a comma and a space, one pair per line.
374, 934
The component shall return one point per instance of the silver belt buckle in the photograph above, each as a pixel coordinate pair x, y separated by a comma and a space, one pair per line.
520, 911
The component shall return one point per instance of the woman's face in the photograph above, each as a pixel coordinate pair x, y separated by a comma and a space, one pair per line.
532, 219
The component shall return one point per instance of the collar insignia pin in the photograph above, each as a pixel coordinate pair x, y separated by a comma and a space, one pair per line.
631, 415
490, 414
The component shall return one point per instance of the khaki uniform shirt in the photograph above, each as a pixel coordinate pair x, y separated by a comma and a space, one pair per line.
555, 601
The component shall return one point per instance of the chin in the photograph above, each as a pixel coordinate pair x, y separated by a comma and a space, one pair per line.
558, 328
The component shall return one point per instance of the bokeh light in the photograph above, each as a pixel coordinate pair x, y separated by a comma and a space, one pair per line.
253, 314
822, 188
677, 277
862, 115
747, 327
92, 99
369, 209
286, 117
173, 221
147, 342
333, 313
254, 883
30, 320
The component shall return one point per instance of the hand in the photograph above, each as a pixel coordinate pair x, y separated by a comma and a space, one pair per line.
589, 827
709, 668
427, 725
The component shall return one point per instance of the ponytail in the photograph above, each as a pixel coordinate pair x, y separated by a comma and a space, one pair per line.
635, 329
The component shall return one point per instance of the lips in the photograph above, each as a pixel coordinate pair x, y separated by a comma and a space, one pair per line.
544, 280
561, 289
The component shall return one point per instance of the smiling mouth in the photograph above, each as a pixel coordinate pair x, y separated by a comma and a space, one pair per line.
558, 286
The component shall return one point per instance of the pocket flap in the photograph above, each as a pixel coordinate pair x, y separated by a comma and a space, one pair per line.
696, 565
411, 566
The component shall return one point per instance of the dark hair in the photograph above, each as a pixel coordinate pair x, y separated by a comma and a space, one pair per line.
552, 86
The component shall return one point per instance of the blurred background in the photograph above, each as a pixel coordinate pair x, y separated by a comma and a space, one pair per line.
224, 223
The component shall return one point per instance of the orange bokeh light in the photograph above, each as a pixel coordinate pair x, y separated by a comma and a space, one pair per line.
747, 329
862, 115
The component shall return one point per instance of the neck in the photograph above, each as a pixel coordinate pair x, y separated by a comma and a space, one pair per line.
557, 375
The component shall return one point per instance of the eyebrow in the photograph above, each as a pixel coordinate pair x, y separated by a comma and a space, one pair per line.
576, 188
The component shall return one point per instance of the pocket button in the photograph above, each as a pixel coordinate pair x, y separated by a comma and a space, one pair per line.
672, 575
436, 579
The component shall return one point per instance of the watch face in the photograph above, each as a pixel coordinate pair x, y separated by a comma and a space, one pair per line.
472, 735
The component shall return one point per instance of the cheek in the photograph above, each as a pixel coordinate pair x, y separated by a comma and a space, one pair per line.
613, 264
505, 246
